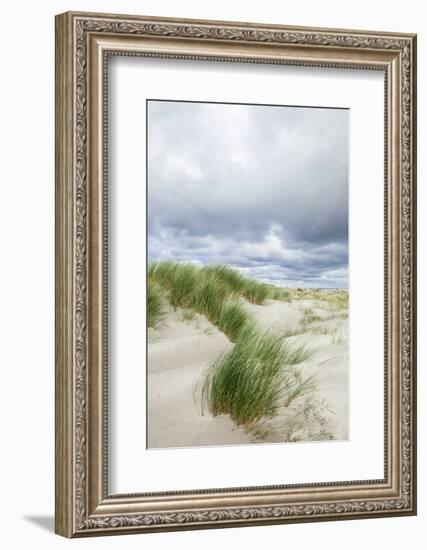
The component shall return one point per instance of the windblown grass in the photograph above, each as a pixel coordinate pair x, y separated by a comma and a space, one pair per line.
162, 273
155, 305
232, 318
231, 277
258, 375
281, 294
212, 291
255, 292
250, 289
182, 284
254, 379
209, 296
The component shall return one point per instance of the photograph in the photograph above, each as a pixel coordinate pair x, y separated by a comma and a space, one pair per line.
247, 274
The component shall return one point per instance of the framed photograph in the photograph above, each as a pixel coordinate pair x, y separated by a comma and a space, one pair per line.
235, 274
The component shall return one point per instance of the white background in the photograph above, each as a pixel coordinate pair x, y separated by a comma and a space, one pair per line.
362, 456
27, 274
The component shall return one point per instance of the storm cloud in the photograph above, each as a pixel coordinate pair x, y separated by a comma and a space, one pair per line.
262, 188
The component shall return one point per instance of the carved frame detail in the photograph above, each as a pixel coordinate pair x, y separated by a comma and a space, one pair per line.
83, 506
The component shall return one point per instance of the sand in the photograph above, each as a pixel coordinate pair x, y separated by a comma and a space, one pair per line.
178, 353
180, 350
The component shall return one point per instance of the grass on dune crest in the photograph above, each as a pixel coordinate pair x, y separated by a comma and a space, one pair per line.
209, 297
232, 318
256, 292
182, 285
155, 305
255, 378
189, 285
280, 294
252, 290
162, 273
258, 376
213, 291
229, 276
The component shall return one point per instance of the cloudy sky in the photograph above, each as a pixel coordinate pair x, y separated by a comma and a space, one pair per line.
261, 188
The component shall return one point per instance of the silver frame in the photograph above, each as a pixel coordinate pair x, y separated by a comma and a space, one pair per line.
83, 43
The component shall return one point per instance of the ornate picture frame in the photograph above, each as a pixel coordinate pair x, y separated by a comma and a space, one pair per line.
84, 42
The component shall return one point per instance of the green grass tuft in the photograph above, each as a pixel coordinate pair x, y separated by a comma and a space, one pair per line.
234, 280
188, 285
209, 295
251, 289
182, 285
254, 379
255, 292
155, 305
280, 294
232, 318
163, 273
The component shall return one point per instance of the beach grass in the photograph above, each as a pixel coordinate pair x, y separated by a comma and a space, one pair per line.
231, 277
255, 292
209, 295
258, 376
181, 286
254, 379
232, 318
213, 291
252, 290
155, 305
188, 285
162, 273
280, 294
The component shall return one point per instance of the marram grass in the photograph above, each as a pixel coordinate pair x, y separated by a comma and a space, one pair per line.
232, 318
213, 291
280, 294
181, 286
255, 379
256, 292
257, 376
209, 295
250, 289
231, 277
155, 305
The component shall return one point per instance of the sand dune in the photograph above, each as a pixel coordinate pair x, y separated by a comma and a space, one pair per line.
179, 351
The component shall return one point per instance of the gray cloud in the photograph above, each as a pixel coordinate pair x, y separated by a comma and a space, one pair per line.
261, 188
